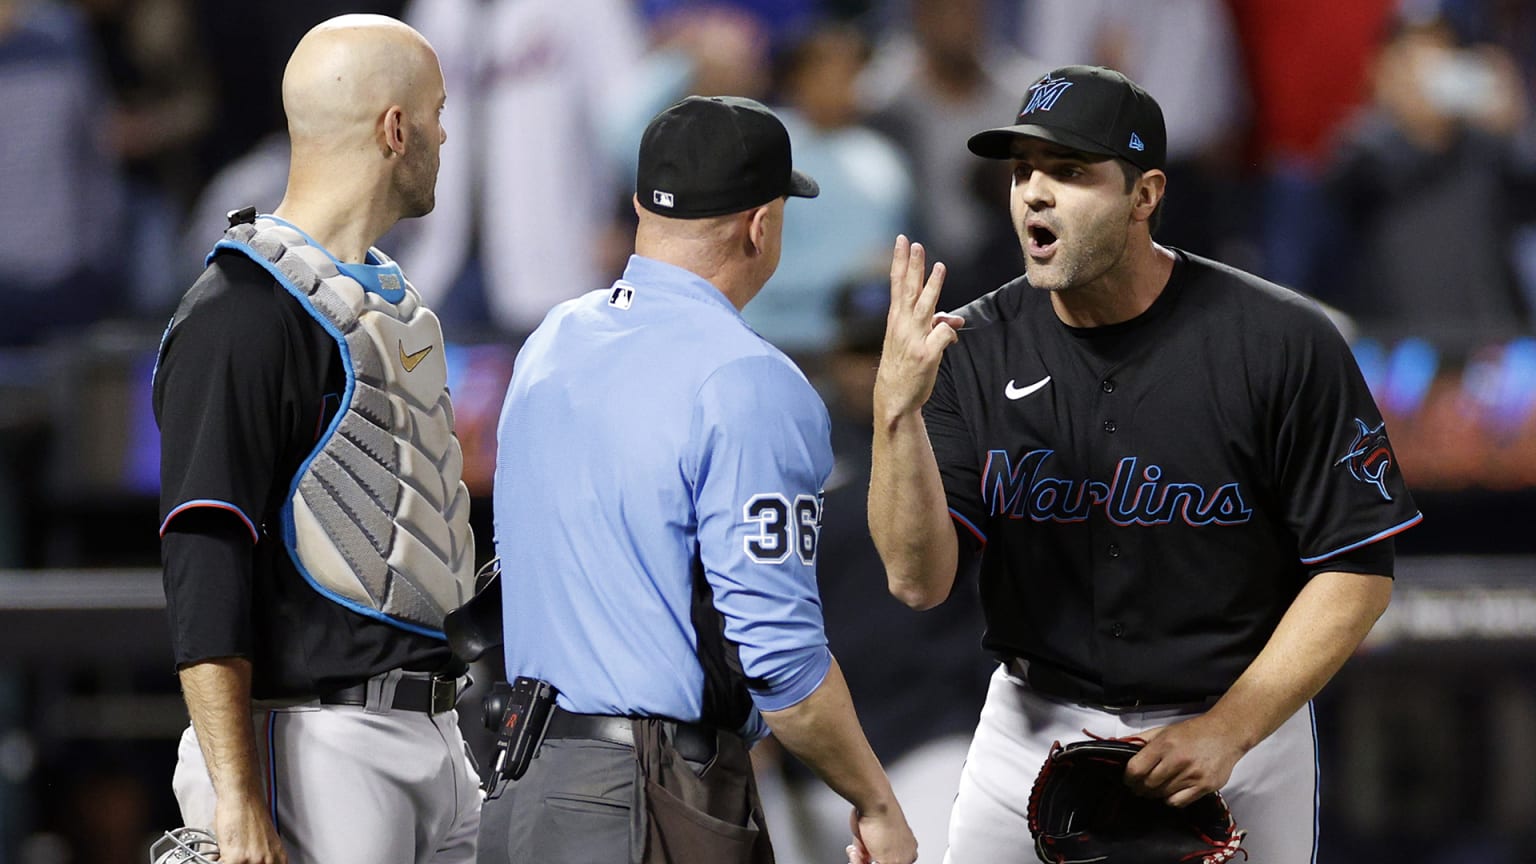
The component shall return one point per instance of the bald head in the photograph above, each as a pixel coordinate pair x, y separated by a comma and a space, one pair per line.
348, 71
364, 98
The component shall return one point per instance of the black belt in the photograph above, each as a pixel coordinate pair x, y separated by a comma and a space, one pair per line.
426, 695
1049, 681
695, 743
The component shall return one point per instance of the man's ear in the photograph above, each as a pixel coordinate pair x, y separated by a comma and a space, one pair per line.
757, 230
1148, 194
394, 128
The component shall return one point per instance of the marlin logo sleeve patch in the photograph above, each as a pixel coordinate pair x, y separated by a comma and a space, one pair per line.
1370, 456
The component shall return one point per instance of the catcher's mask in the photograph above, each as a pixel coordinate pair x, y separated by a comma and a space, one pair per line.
184, 846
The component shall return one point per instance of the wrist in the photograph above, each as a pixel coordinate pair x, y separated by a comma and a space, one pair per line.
877, 807
240, 788
889, 418
1234, 728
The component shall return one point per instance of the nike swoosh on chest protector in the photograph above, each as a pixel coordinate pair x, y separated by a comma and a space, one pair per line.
411, 361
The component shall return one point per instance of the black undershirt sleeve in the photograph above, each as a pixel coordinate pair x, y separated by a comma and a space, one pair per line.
207, 555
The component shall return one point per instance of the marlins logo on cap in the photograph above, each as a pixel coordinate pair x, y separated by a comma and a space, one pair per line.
1043, 95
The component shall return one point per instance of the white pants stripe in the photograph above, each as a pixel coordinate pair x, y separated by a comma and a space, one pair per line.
1273, 791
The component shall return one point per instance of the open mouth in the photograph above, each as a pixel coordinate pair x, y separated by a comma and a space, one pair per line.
1042, 241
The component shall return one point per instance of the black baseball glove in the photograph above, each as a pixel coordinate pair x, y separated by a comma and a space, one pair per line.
1081, 810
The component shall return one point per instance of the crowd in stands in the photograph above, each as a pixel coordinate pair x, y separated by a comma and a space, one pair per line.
1378, 154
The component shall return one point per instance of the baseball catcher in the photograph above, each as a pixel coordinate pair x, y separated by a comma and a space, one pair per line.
1081, 810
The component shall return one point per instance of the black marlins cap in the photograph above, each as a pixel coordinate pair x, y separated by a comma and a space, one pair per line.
1087, 108
709, 156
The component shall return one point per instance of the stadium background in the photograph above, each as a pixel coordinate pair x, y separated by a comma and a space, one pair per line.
1380, 155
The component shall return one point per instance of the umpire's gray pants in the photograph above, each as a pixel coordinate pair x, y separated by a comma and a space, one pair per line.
572, 807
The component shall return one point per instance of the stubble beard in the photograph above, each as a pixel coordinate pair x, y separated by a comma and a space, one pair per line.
418, 183
1080, 262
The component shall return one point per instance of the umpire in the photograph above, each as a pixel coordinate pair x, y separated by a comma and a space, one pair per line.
657, 503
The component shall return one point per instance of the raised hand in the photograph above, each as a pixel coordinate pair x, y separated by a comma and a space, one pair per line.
915, 337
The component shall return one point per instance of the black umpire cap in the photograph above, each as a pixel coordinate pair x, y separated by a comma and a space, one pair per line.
1093, 109
709, 156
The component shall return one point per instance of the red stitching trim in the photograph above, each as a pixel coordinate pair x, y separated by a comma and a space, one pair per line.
1129, 739
1034, 794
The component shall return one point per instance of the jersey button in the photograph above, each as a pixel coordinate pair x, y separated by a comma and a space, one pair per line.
1109, 425
1107, 385
1114, 550
1117, 630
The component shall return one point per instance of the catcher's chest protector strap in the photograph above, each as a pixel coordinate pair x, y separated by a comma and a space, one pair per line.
378, 516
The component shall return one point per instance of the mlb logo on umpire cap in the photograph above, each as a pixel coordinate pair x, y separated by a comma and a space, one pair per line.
662, 199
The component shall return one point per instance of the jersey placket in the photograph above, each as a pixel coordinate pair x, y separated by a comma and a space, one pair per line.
1113, 550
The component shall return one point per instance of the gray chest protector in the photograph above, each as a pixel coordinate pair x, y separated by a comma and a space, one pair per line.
377, 517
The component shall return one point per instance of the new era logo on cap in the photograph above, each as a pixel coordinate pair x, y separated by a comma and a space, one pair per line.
1136, 142
661, 199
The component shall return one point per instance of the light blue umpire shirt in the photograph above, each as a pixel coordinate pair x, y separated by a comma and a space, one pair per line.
648, 431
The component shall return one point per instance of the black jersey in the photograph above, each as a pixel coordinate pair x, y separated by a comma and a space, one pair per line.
246, 383
1149, 497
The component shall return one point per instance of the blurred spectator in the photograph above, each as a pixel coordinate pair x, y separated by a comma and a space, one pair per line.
162, 95
918, 679
1430, 181
698, 51
1186, 52
247, 45
162, 106
927, 90
60, 207
526, 186
783, 21
1307, 65
865, 192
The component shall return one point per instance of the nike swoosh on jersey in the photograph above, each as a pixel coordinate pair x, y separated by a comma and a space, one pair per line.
411, 361
1013, 392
